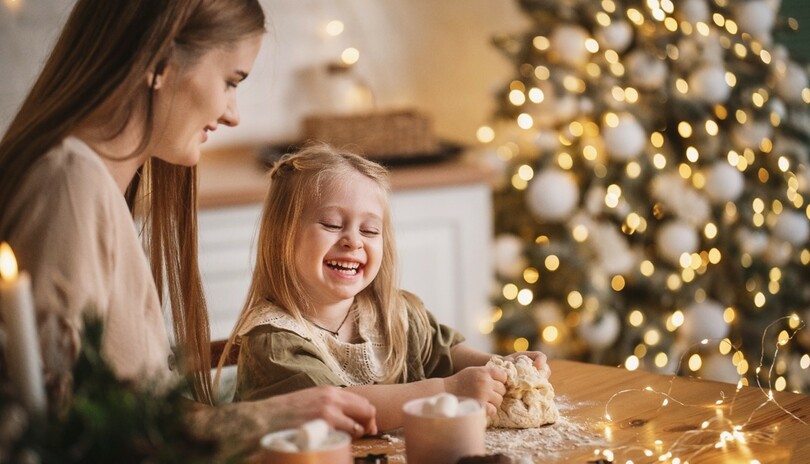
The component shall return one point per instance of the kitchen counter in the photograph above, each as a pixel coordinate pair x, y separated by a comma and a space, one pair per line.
235, 176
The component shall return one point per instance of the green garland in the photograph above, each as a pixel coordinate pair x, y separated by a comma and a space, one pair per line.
107, 420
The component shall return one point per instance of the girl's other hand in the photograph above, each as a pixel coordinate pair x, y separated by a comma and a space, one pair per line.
485, 384
538, 358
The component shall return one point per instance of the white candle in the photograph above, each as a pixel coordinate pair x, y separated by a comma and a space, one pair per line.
22, 343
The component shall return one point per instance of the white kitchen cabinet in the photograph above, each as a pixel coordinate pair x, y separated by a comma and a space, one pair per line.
443, 234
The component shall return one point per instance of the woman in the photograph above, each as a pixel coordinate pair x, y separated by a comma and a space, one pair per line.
111, 130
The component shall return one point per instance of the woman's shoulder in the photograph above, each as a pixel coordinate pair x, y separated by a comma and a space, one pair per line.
268, 315
72, 171
69, 159
69, 188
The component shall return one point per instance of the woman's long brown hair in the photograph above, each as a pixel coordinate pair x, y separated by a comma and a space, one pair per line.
97, 70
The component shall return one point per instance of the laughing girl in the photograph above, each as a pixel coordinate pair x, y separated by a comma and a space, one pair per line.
324, 307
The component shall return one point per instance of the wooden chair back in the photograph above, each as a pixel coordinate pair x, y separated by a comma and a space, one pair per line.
217, 347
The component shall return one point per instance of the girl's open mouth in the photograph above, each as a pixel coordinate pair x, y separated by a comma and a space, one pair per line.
347, 268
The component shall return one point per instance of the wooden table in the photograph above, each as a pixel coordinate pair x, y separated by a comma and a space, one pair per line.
642, 429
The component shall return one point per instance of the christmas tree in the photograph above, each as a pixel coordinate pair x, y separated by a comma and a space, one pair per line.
653, 212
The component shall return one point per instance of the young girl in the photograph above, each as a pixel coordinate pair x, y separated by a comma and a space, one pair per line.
324, 308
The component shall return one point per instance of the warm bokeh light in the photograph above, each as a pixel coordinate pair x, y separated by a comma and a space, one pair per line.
334, 27
350, 55
485, 134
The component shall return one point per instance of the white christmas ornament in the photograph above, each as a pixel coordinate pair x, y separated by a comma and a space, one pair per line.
704, 321
752, 242
697, 49
600, 333
792, 227
708, 84
777, 252
626, 140
548, 312
711, 49
724, 182
595, 200
612, 250
719, 368
615, 36
568, 44
791, 82
689, 51
780, 54
778, 107
646, 71
586, 105
676, 238
693, 11
756, 18
508, 253
552, 195
681, 198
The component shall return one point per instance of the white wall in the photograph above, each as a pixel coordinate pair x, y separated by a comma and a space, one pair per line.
434, 55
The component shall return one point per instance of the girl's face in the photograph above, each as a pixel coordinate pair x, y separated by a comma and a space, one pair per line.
339, 242
192, 101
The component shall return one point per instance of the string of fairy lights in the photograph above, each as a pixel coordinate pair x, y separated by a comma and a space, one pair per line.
585, 110
716, 432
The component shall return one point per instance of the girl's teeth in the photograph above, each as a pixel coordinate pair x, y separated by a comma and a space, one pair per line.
344, 267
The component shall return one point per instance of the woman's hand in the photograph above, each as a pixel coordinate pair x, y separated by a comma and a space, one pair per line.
485, 384
343, 410
538, 359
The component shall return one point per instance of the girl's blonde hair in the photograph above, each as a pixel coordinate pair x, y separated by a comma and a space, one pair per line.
297, 182
96, 72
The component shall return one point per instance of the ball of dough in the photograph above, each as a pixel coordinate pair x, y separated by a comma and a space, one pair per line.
529, 398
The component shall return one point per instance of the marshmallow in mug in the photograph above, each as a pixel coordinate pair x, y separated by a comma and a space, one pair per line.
448, 405
311, 436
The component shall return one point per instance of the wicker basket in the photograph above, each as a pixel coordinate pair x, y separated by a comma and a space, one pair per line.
386, 134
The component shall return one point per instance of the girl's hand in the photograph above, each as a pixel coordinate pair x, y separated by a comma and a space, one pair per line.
538, 359
485, 384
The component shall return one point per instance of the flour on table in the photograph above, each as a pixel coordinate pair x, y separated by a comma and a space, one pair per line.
545, 443
529, 398
533, 445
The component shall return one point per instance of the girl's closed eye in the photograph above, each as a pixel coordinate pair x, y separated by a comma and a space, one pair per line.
330, 225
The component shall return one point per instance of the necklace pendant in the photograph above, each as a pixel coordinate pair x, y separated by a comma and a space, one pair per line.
335, 333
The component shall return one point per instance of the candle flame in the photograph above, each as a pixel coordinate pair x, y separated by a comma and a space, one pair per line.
8, 264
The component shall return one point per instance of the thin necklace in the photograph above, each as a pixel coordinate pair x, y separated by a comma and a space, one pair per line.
334, 332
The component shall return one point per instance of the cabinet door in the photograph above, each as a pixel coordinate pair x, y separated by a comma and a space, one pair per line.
444, 238
227, 254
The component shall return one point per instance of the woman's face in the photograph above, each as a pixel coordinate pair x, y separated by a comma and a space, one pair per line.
192, 101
